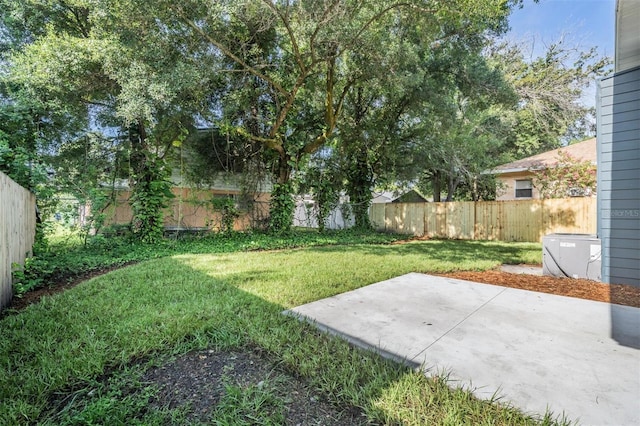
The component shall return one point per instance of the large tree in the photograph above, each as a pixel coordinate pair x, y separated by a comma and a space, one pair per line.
113, 70
302, 59
277, 73
550, 89
429, 119
545, 110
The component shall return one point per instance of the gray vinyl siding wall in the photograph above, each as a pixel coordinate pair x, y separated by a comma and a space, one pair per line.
618, 113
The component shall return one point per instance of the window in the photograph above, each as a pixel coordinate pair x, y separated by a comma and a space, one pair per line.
524, 189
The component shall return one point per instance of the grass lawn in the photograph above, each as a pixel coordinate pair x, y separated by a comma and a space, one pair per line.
62, 347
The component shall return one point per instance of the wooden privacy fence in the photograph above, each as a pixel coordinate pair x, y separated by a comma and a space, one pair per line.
528, 220
17, 231
191, 209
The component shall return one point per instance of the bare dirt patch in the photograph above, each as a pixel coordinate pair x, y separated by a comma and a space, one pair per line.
199, 381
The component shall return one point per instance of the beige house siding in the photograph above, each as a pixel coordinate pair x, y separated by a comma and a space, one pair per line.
507, 186
508, 174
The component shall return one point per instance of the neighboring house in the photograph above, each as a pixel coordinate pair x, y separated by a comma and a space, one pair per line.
382, 197
516, 179
341, 217
411, 196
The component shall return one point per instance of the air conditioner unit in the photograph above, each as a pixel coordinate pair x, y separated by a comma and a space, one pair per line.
571, 255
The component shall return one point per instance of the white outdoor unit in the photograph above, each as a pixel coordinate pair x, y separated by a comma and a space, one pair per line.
571, 255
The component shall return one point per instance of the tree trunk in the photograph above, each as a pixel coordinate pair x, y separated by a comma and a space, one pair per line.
284, 169
450, 189
475, 193
359, 173
282, 206
150, 189
437, 187
452, 184
359, 188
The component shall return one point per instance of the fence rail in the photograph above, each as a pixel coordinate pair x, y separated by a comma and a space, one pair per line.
17, 231
528, 220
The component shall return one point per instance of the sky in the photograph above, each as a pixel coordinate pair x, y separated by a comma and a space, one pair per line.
581, 23
585, 23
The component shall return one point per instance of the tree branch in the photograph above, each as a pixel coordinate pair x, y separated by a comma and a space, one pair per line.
271, 143
294, 43
228, 52
381, 13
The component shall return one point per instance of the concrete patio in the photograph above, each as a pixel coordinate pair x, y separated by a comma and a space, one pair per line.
537, 351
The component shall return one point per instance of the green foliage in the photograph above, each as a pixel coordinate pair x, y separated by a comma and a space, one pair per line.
568, 177
549, 88
29, 170
359, 175
360, 202
15, 163
295, 74
437, 120
151, 194
324, 184
29, 276
24, 167
86, 171
226, 207
99, 200
327, 52
104, 66
480, 188
281, 208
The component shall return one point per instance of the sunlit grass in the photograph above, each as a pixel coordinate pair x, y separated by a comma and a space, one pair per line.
294, 277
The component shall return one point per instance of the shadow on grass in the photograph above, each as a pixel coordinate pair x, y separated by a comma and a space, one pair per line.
162, 307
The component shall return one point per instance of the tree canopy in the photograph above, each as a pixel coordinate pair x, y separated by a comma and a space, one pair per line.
376, 93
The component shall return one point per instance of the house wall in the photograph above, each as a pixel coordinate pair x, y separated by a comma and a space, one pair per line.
507, 186
618, 117
627, 54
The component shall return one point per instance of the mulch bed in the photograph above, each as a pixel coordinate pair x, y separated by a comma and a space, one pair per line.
580, 288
